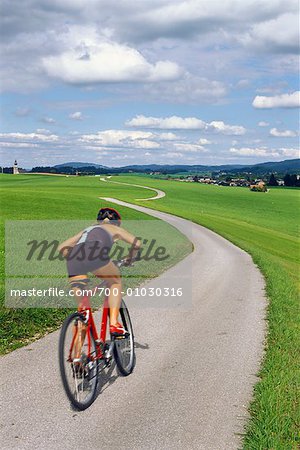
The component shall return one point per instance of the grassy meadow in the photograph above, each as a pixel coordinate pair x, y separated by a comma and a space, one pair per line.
263, 224
267, 226
40, 197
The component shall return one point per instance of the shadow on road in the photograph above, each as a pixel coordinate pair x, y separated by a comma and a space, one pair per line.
109, 375
141, 346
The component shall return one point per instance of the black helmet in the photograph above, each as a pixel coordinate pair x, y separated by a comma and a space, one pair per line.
109, 213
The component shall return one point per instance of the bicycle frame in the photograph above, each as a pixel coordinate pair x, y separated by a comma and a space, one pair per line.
86, 309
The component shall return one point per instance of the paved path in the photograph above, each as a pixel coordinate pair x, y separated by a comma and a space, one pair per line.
159, 193
193, 378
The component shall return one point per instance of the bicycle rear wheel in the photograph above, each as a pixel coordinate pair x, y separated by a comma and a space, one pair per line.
78, 362
124, 347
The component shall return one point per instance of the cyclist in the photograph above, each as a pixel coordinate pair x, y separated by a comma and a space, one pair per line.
88, 251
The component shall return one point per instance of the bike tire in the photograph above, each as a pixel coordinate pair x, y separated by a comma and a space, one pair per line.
125, 366
63, 365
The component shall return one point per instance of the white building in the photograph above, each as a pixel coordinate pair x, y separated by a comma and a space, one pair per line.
15, 168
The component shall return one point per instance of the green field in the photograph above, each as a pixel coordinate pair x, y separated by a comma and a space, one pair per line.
35, 197
264, 224
267, 226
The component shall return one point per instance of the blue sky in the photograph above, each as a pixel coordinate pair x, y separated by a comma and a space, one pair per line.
173, 82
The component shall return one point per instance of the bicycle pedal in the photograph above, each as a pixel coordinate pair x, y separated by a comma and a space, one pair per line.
109, 353
120, 336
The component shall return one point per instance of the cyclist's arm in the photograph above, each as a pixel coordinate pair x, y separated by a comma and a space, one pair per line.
133, 241
65, 246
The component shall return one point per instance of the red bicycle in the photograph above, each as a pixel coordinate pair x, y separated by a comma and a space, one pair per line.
82, 351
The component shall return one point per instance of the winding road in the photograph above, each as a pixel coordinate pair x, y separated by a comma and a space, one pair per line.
194, 375
159, 193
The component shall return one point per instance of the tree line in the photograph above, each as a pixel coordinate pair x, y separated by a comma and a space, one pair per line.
290, 180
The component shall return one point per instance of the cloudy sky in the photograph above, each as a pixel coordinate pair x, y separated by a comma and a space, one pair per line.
160, 81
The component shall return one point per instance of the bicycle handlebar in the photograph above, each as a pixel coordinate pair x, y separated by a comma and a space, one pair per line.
123, 263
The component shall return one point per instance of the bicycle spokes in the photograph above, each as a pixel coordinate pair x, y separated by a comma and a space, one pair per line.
124, 346
124, 350
83, 357
79, 362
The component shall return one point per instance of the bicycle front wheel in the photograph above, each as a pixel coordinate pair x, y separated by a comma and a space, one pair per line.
78, 361
124, 347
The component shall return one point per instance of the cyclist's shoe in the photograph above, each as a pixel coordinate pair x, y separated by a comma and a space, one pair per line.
118, 330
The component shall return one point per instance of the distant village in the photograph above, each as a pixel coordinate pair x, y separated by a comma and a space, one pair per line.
224, 179
228, 181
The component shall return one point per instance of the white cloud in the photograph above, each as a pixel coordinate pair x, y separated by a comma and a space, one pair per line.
188, 89
285, 133
167, 136
187, 123
172, 123
48, 120
73, 41
263, 124
265, 152
121, 138
277, 101
17, 145
129, 139
290, 152
203, 141
247, 151
43, 131
76, 115
278, 35
221, 127
173, 155
273, 88
30, 137
217, 45
190, 19
242, 84
190, 147
97, 151
107, 62
147, 20
144, 143
123, 156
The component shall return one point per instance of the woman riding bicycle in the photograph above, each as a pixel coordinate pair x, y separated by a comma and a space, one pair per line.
88, 251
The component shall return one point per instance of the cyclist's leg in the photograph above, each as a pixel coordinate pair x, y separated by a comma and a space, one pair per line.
111, 274
79, 283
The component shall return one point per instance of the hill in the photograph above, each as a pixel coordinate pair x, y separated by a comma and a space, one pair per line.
78, 165
289, 165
